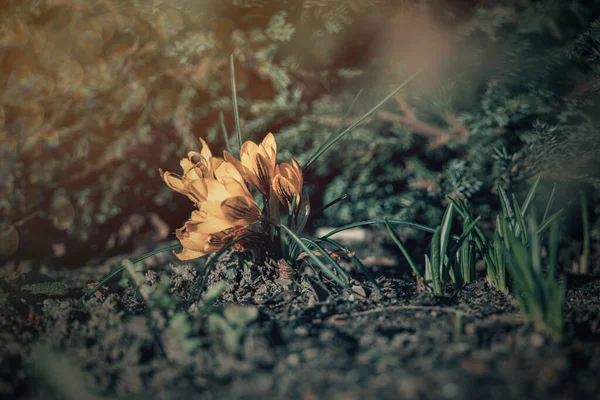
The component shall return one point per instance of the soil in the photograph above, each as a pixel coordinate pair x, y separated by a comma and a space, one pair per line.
270, 338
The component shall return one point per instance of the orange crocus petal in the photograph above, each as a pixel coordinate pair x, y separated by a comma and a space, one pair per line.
212, 209
197, 217
248, 149
249, 162
220, 191
192, 240
238, 165
205, 151
284, 189
172, 180
289, 173
257, 163
268, 149
198, 189
187, 254
215, 163
215, 220
236, 188
264, 172
208, 190
239, 211
294, 173
226, 170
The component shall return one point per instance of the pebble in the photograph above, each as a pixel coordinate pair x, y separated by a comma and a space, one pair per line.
536, 340
50, 303
470, 329
293, 359
301, 331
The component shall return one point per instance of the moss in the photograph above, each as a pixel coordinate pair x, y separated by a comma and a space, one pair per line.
45, 288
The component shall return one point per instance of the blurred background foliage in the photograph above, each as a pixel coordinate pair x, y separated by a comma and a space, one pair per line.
96, 95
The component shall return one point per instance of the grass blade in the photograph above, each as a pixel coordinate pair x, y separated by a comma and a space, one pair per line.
518, 253
122, 268
585, 225
467, 262
398, 242
236, 112
549, 220
355, 259
330, 259
310, 254
446, 226
520, 229
138, 283
534, 246
553, 251
330, 143
342, 122
428, 273
466, 232
550, 203
225, 134
506, 207
530, 195
378, 221
303, 212
436, 276
331, 204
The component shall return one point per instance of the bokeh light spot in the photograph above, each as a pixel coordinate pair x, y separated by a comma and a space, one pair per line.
62, 212
16, 35
104, 25
31, 118
164, 104
22, 76
69, 76
90, 43
134, 98
170, 22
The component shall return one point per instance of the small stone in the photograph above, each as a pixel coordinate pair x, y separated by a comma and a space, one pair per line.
359, 290
293, 359
473, 367
470, 329
49, 303
537, 340
301, 331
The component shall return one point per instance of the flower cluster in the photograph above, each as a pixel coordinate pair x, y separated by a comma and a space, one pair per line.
217, 186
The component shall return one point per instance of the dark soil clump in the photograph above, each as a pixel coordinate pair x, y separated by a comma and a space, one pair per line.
269, 337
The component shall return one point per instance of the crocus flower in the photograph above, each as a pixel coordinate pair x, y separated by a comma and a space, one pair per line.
288, 182
222, 198
199, 165
257, 163
206, 233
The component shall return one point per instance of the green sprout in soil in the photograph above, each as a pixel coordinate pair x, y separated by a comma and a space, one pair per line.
585, 225
511, 219
452, 257
540, 292
436, 265
444, 262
